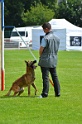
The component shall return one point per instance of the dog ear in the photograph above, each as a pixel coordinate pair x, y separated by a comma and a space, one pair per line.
26, 62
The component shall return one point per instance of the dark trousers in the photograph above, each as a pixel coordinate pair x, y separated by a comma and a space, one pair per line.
45, 77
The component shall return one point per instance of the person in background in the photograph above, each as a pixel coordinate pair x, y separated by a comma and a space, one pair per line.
48, 60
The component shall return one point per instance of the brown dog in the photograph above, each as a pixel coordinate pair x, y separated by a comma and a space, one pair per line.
25, 81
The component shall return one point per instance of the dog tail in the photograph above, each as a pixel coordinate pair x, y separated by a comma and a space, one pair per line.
8, 94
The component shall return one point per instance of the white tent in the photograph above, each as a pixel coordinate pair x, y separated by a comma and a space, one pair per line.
69, 34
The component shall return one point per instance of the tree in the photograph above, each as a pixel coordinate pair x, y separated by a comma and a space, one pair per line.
27, 12
37, 15
28, 3
13, 12
71, 11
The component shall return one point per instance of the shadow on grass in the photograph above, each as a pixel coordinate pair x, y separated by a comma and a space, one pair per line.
18, 97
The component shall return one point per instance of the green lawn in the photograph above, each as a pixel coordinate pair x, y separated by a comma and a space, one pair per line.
66, 109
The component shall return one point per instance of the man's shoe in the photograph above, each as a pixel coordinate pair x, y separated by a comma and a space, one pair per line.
40, 96
57, 95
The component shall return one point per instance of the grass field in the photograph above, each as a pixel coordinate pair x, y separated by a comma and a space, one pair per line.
66, 109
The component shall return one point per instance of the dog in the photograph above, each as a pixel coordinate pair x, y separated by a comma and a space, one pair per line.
25, 80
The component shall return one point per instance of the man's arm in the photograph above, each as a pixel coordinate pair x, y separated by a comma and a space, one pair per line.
43, 45
41, 50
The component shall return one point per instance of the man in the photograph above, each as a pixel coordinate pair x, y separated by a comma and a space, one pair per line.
48, 60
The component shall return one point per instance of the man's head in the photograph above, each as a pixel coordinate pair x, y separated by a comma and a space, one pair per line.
46, 27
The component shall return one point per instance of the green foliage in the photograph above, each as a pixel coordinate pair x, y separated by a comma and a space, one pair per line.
13, 12
49, 3
28, 12
38, 15
66, 109
72, 11
29, 3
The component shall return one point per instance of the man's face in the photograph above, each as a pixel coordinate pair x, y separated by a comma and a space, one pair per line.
46, 30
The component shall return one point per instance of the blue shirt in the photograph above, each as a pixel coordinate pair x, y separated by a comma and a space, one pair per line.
43, 42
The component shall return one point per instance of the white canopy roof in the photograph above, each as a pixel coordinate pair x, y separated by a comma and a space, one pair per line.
62, 23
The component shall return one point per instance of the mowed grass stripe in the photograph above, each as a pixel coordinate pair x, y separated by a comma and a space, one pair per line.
64, 110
